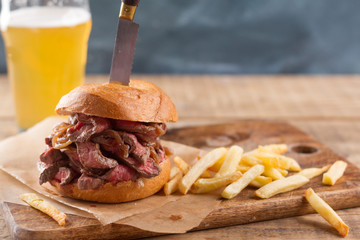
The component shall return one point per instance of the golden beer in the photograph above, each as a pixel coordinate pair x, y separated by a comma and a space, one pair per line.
46, 50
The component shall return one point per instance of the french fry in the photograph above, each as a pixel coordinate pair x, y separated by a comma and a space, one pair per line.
334, 173
274, 148
216, 167
232, 159
173, 185
283, 172
260, 181
204, 185
272, 173
326, 212
313, 172
294, 165
199, 167
277, 161
273, 160
36, 202
206, 174
184, 167
249, 159
181, 164
281, 185
174, 171
236, 187
243, 168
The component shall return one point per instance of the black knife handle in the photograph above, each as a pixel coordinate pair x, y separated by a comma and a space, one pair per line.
131, 2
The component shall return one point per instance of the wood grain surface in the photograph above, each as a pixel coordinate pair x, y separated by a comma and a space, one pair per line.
245, 208
326, 107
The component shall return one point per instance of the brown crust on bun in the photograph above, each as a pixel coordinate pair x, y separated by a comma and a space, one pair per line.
141, 101
120, 192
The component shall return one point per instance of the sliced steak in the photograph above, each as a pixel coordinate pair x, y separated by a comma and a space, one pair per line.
157, 154
148, 169
148, 132
51, 156
120, 173
64, 175
138, 151
150, 138
86, 127
48, 140
73, 156
111, 142
121, 144
130, 126
86, 182
91, 157
161, 153
50, 171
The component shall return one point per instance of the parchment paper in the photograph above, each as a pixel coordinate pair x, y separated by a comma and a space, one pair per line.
19, 157
10, 189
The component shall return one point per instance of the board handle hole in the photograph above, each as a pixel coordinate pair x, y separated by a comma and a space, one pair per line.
303, 149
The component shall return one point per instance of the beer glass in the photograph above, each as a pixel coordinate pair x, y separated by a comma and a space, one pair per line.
46, 48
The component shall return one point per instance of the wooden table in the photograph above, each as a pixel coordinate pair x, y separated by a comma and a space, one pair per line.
326, 107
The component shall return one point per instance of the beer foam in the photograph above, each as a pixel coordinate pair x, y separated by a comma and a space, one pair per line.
46, 17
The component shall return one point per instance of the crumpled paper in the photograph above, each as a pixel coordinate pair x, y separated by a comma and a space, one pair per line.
20, 155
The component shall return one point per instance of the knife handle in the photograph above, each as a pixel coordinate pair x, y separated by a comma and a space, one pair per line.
128, 8
131, 2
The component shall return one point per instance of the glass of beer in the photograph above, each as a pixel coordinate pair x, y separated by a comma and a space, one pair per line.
46, 48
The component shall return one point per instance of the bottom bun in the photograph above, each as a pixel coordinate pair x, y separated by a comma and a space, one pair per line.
120, 192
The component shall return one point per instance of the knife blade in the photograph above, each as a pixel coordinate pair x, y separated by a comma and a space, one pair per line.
125, 42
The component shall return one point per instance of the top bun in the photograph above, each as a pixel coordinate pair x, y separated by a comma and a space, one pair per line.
141, 101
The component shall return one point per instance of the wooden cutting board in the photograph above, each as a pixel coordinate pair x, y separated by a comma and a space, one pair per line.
27, 223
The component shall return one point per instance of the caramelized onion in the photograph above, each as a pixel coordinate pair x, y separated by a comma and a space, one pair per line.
61, 137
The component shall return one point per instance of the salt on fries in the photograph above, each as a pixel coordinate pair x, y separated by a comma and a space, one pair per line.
326, 212
281, 185
236, 187
313, 172
334, 173
204, 185
36, 202
199, 167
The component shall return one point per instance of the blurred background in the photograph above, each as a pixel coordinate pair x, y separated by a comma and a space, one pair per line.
231, 37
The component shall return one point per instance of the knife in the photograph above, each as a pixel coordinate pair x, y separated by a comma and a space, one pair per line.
125, 42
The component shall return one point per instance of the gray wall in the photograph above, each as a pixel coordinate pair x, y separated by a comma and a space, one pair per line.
232, 36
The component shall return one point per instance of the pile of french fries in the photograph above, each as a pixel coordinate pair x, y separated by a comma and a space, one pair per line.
266, 168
